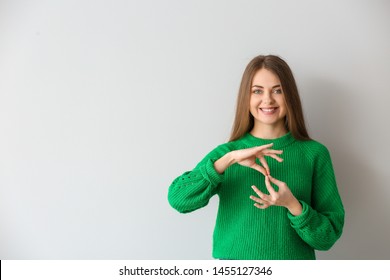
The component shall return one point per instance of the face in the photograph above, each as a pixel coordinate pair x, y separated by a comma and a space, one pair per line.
267, 103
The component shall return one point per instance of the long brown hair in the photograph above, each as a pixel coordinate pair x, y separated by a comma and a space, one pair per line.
244, 120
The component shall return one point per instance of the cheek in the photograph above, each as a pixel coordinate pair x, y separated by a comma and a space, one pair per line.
282, 103
284, 110
254, 101
253, 106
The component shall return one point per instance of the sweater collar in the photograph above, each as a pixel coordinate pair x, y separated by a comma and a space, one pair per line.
279, 143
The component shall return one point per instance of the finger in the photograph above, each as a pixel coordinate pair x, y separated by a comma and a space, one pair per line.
267, 145
259, 193
261, 206
265, 164
260, 169
270, 189
276, 181
270, 151
262, 195
257, 199
279, 159
264, 147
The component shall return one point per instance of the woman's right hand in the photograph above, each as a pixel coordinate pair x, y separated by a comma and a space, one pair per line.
247, 157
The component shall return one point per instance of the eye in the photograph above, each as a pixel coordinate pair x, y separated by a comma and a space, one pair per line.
278, 91
257, 91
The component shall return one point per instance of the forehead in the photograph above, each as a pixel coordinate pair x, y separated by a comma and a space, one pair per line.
265, 78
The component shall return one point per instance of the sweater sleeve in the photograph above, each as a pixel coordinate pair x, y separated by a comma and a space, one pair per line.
193, 189
321, 223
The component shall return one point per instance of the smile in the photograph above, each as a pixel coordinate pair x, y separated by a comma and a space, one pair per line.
268, 111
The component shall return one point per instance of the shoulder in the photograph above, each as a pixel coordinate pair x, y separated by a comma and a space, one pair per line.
313, 145
228, 147
225, 147
314, 149
218, 151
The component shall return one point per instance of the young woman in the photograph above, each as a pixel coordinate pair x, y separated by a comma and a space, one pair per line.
283, 208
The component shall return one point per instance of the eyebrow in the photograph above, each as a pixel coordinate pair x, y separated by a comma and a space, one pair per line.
263, 87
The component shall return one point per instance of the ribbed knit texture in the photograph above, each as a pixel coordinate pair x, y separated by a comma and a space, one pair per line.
243, 231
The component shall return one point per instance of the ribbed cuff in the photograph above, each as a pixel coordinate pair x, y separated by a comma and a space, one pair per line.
208, 171
302, 219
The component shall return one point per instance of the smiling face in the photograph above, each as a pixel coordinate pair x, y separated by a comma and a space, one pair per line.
267, 103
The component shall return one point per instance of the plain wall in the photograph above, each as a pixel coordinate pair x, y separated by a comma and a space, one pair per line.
103, 103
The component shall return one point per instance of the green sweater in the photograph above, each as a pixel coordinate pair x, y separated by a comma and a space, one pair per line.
243, 231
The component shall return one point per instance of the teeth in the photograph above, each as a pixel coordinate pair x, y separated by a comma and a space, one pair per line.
268, 110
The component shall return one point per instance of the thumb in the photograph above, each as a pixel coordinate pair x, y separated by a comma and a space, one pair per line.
280, 184
268, 185
260, 169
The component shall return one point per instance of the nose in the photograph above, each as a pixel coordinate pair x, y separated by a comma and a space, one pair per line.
267, 98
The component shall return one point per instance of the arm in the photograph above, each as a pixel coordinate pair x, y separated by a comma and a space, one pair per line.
247, 157
321, 223
193, 189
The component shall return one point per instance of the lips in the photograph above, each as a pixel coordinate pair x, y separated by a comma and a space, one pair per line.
269, 110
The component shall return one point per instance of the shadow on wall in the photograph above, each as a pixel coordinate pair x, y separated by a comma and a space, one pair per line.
334, 118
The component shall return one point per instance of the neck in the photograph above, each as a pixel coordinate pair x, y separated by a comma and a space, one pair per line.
268, 131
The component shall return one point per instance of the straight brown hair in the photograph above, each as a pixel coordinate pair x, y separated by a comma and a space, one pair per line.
244, 121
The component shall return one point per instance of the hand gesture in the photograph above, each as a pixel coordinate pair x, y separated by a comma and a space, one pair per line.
283, 197
247, 157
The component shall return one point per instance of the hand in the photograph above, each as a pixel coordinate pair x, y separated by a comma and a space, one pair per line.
247, 157
283, 197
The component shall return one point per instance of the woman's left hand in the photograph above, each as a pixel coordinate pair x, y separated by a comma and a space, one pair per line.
283, 197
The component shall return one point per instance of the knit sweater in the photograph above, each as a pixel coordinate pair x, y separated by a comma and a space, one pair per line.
243, 231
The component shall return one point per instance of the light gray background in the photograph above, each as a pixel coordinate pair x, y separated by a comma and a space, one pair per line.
103, 103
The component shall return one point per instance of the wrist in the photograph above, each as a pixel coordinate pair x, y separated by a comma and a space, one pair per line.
224, 162
295, 208
230, 158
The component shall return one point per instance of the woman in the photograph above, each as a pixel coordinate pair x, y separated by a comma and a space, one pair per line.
285, 208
